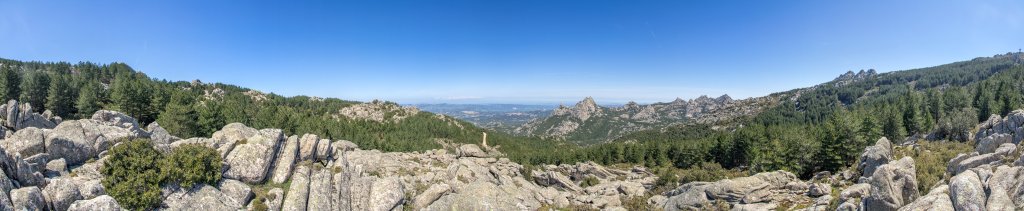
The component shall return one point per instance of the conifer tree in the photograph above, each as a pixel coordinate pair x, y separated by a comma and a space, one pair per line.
35, 87
90, 99
10, 83
61, 99
179, 117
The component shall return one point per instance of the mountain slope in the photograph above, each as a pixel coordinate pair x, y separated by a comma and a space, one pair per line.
588, 123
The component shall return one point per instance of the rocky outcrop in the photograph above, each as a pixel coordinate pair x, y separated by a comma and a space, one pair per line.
64, 171
378, 111
19, 116
893, 185
966, 192
298, 193
285, 160
755, 191
250, 160
587, 120
875, 156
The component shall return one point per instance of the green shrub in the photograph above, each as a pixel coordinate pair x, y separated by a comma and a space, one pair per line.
192, 164
589, 181
132, 174
930, 159
708, 172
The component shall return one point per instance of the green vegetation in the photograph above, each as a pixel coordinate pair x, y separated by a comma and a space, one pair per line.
132, 175
930, 159
134, 171
191, 164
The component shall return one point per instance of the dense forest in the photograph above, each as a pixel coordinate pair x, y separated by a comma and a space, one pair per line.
821, 128
825, 128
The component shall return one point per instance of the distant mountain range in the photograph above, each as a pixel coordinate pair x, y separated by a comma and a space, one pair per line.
588, 123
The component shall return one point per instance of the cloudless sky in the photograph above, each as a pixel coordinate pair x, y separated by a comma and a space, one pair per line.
515, 51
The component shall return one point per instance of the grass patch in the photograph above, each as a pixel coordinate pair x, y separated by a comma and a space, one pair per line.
930, 159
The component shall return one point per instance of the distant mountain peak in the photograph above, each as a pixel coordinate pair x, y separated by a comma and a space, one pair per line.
587, 105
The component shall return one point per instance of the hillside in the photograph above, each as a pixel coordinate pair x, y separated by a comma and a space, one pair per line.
589, 123
196, 108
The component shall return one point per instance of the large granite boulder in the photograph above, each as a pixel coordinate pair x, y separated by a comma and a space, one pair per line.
893, 185
387, 194
485, 196
120, 120
321, 190
20, 116
159, 135
60, 193
555, 179
937, 200
100, 203
430, 195
285, 160
79, 140
470, 150
298, 193
28, 198
201, 197
875, 156
967, 191
307, 146
27, 142
250, 161
238, 192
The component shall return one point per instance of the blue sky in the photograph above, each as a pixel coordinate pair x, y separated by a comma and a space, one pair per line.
520, 51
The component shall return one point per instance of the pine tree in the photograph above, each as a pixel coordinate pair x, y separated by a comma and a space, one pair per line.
210, 117
869, 130
132, 97
35, 87
892, 127
90, 99
178, 117
61, 99
10, 83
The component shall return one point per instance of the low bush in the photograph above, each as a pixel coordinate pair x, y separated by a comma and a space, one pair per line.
134, 171
132, 174
192, 164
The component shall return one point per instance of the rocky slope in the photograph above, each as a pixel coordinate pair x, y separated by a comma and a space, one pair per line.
58, 169
990, 178
586, 122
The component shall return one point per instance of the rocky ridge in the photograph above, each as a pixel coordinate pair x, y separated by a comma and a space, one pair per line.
589, 122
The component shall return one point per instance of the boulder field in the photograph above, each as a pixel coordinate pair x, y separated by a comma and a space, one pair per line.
54, 164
